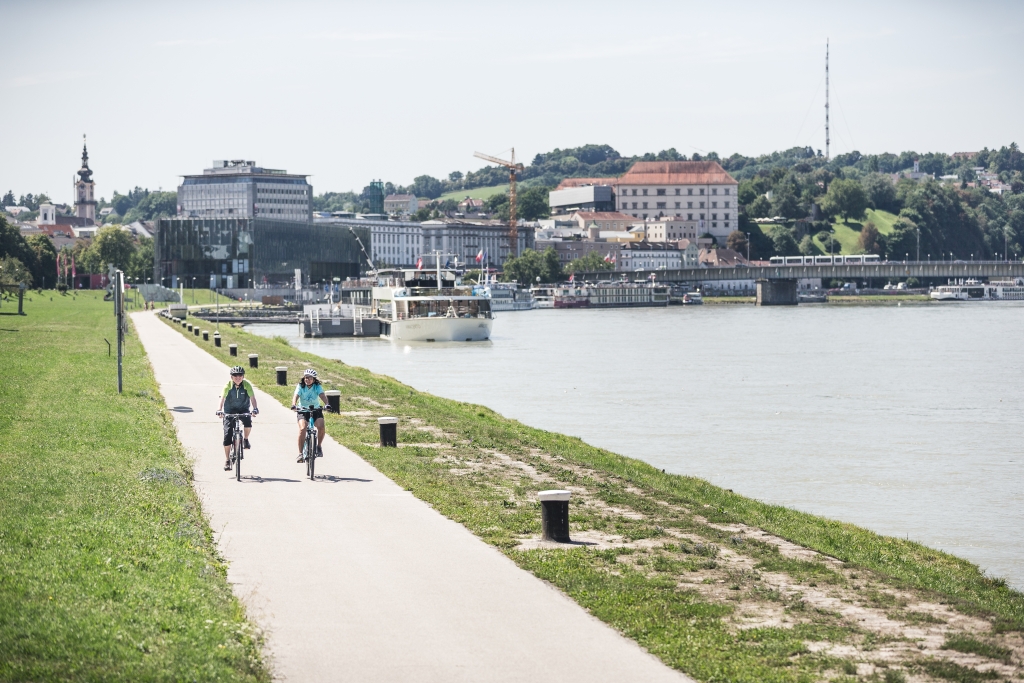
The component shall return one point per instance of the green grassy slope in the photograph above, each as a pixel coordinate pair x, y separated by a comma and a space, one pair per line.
476, 193
108, 569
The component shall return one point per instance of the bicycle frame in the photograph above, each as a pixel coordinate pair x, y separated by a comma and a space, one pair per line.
237, 442
310, 447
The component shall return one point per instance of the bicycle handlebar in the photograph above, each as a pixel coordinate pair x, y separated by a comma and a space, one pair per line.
328, 408
221, 413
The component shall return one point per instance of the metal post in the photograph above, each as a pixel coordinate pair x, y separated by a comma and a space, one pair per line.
21, 298
119, 311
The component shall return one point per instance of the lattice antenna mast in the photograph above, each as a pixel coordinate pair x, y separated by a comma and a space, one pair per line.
826, 100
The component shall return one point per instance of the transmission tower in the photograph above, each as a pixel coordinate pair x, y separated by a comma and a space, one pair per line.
826, 100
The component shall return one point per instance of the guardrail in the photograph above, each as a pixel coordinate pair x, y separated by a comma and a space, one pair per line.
892, 270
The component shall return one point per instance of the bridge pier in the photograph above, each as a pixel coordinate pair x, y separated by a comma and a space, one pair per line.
776, 293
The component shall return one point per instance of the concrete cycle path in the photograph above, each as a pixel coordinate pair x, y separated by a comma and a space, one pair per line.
355, 579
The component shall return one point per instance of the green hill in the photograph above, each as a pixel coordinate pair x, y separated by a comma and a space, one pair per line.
475, 193
848, 233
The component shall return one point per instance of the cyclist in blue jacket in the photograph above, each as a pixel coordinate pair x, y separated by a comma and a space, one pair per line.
309, 394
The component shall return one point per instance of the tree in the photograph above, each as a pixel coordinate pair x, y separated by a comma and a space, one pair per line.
737, 241
141, 265
807, 247
870, 241
759, 208
784, 241
881, 192
532, 203
9, 199
426, 186
846, 198
44, 264
785, 203
153, 205
532, 265
13, 272
902, 240
588, 263
113, 245
455, 176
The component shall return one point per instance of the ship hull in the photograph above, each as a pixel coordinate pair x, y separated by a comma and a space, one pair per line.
437, 329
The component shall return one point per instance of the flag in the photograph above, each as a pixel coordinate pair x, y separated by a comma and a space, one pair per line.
608, 257
480, 256
572, 278
419, 263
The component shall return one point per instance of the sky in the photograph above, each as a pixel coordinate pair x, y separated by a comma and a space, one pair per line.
350, 92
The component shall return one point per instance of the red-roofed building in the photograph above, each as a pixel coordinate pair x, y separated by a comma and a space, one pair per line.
698, 191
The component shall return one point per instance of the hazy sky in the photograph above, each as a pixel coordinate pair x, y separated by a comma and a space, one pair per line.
352, 92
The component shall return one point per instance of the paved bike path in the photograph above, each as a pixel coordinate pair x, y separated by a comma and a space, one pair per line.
355, 579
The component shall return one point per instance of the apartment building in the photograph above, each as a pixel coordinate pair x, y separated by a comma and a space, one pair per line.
400, 204
646, 255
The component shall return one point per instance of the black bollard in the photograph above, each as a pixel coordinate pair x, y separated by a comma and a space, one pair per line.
195, 330
282, 374
233, 349
188, 326
206, 335
388, 432
254, 360
216, 338
554, 515
334, 400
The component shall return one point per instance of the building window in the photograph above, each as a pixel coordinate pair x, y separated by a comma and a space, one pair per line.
689, 216
634, 206
727, 192
714, 190
645, 206
714, 205
702, 205
677, 204
645, 193
702, 216
714, 216
714, 225
725, 216
689, 190
727, 205
702, 190
661, 193
634, 193
727, 224
661, 205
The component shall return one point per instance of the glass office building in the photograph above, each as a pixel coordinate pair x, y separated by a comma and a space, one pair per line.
244, 252
241, 189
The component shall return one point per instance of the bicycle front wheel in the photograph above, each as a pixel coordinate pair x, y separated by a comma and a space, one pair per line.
238, 457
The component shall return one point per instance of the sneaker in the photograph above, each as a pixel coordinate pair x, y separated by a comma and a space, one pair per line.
227, 466
319, 452
299, 459
246, 445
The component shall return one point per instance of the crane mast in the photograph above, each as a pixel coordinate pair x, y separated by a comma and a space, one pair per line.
513, 227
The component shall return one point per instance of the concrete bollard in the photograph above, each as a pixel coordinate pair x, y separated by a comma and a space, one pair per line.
216, 338
254, 360
282, 374
195, 330
388, 432
188, 326
334, 400
206, 335
233, 349
554, 515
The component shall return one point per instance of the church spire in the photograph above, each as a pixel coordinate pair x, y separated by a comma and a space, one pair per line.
85, 173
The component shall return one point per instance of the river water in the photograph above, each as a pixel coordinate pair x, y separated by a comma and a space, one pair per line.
903, 419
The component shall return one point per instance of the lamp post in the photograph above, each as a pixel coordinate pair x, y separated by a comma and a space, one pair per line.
748, 246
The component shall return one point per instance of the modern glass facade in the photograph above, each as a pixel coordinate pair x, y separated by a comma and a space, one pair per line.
243, 252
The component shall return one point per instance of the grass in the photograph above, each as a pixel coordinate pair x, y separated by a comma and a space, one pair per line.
475, 193
969, 645
847, 233
950, 671
108, 569
661, 587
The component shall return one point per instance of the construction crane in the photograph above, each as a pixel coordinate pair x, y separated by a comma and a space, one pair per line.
512, 166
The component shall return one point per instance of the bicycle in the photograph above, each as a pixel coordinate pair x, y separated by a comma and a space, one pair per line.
309, 446
237, 441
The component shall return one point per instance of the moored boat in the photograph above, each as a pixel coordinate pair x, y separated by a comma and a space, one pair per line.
418, 305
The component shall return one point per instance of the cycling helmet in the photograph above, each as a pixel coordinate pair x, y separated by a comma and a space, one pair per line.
237, 370
310, 372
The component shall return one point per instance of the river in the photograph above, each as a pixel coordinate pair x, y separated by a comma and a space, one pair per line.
903, 419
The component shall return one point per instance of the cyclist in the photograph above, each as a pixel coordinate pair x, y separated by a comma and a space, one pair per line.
309, 394
237, 397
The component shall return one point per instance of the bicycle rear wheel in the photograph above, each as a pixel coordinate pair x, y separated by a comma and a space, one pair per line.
310, 453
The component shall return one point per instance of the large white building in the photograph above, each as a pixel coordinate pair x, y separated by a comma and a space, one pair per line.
400, 204
699, 193
241, 189
645, 255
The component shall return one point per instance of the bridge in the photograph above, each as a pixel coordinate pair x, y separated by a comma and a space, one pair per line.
777, 284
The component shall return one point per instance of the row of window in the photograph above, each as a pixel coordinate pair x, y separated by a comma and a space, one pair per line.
664, 205
689, 191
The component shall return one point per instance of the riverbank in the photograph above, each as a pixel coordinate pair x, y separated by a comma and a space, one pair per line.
718, 585
108, 569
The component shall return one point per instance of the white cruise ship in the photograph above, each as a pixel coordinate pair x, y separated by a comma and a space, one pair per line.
429, 305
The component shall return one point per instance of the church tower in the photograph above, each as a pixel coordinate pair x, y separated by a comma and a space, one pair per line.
85, 200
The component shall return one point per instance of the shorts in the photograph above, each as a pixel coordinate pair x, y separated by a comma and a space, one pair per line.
229, 424
318, 414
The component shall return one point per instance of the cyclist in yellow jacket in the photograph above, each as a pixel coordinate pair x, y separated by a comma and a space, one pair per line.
237, 397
